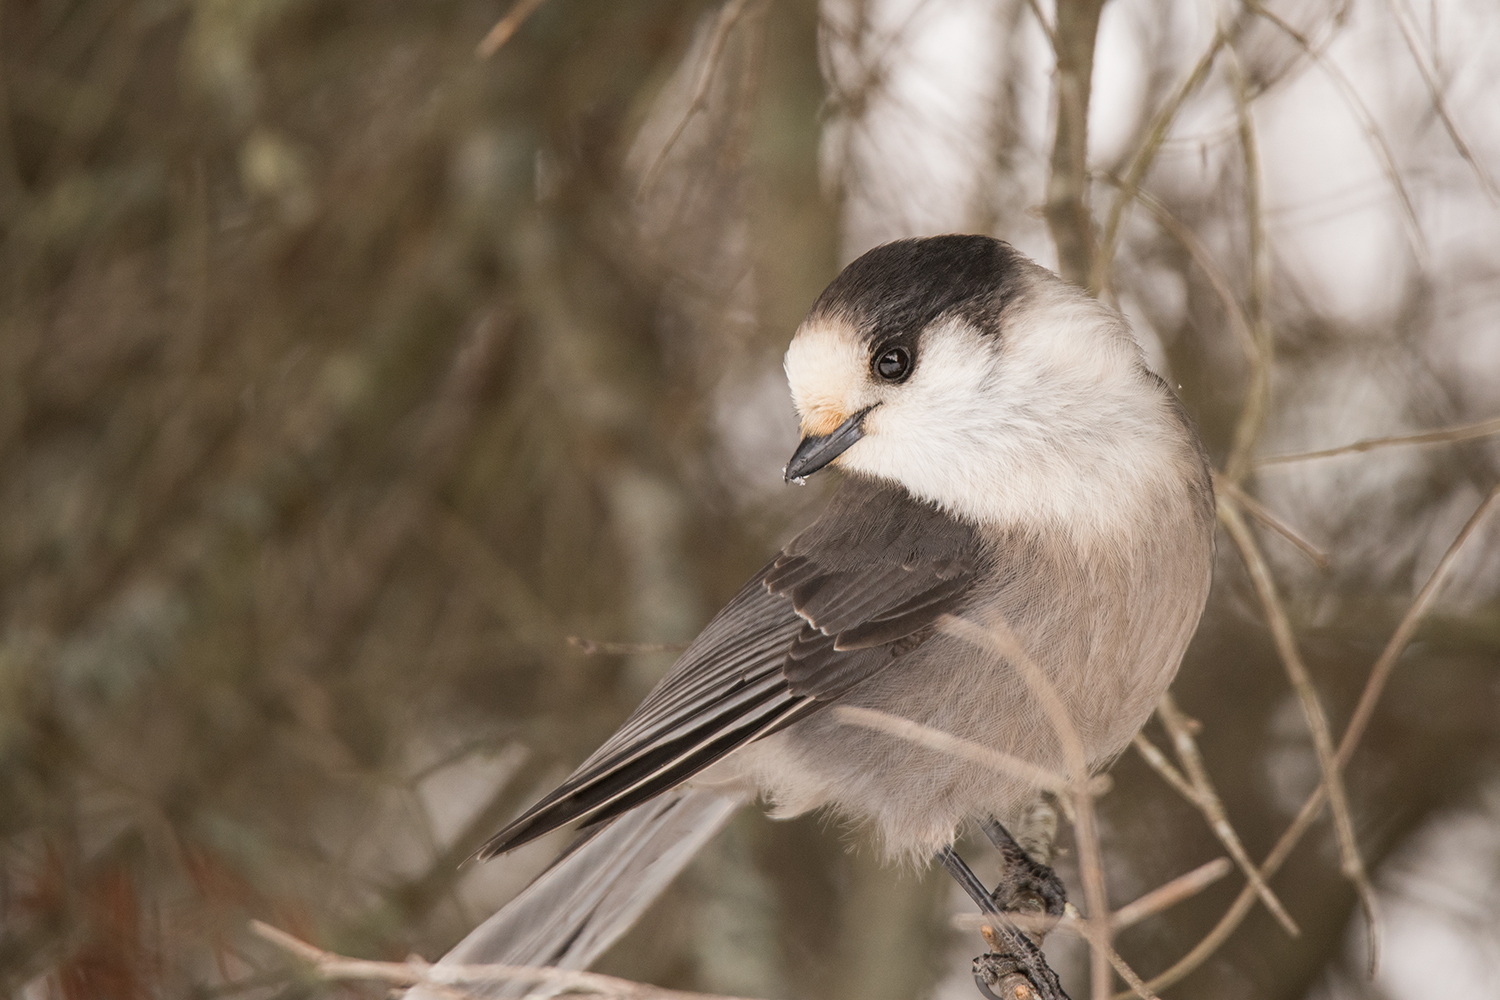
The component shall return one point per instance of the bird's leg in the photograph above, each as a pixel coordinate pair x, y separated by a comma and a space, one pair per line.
1025, 884
1014, 953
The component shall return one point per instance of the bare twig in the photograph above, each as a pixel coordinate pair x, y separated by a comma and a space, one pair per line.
1402, 12
506, 27
1351, 863
1145, 156
1206, 798
998, 636
1153, 756
1132, 978
1258, 393
1238, 322
1163, 897
331, 966
1366, 121
935, 739
728, 15
1446, 435
1067, 206
1352, 735
1171, 893
1381, 672
1257, 510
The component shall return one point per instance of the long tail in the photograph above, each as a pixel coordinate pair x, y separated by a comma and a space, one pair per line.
596, 890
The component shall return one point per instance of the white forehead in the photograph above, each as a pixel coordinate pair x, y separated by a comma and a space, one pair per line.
825, 364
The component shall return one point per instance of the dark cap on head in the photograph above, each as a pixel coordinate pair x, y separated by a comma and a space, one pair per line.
901, 287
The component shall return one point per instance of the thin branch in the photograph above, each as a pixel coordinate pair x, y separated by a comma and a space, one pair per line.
1351, 863
997, 636
1171, 893
331, 966
1153, 756
506, 27
1403, 15
1258, 393
1238, 321
1381, 672
1206, 798
1163, 897
1305, 817
1132, 978
1145, 156
1463, 432
1373, 134
728, 15
1257, 510
936, 739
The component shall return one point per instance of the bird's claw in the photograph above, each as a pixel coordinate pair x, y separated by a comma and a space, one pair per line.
1025, 884
991, 971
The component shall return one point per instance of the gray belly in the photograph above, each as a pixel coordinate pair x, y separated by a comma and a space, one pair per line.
1107, 639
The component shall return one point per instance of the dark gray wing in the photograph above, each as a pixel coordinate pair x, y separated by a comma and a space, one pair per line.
859, 588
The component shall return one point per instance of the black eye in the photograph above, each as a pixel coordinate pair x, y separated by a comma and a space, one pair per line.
893, 363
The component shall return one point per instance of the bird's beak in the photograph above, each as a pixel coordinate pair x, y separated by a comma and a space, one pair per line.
816, 451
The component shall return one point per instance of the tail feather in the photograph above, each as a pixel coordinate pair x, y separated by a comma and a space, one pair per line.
594, 892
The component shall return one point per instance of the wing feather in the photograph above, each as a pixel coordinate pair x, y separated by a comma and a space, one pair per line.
859, 588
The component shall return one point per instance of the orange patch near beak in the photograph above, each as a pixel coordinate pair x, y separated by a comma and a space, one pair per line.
822, 421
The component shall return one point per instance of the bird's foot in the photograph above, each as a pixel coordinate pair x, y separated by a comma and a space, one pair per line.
1025, 885
1014, 968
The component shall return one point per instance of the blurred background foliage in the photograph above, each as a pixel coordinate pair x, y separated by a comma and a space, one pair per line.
345, 376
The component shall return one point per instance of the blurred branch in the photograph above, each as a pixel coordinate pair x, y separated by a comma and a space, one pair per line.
518, 767
1043, 23
1381, 672
1067, 208
1402, 13
414, 972
1132, 978
1363, 712
506, 27
1462, 432
409, 504
1351, 863
1163, 897
729, 14
1140, 164
1257, 510
1169, 894
1258, 393
1206, 798
1367, 124
1206, 263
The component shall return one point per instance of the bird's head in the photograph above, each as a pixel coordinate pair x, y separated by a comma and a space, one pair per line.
970, 375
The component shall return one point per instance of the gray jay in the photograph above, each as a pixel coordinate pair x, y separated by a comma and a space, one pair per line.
1008, 461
